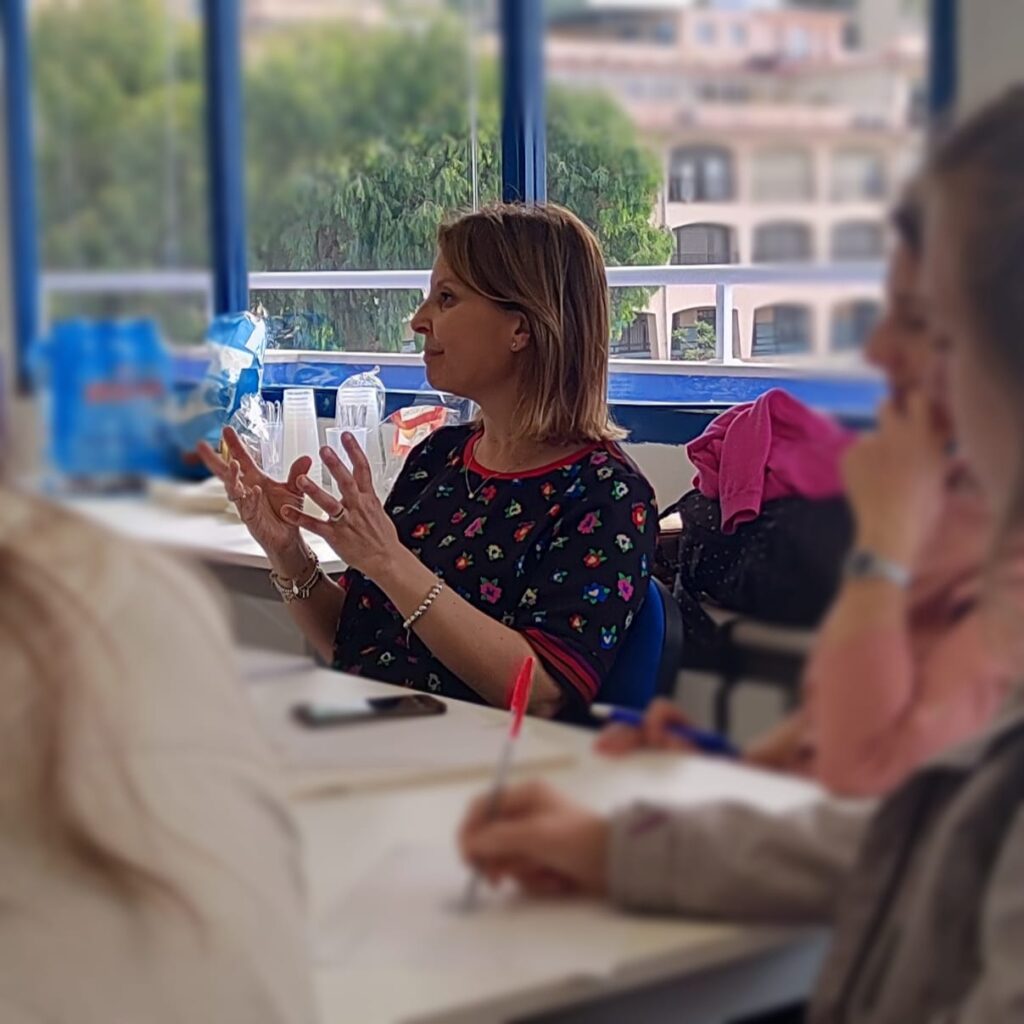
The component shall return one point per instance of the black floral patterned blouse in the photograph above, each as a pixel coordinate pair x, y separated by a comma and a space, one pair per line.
561, 554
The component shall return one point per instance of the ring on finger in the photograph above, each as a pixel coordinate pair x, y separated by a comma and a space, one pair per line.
338, 516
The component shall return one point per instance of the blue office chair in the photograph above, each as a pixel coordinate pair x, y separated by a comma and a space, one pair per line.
647, 664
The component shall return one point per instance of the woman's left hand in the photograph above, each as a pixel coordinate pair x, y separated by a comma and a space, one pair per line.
357, 527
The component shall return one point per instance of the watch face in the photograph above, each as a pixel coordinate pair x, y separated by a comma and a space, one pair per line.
861, 562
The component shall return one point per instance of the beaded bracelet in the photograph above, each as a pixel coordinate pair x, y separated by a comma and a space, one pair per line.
435, 590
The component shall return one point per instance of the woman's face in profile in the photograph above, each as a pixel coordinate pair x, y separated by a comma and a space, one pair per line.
467, 339
900, 344
979, 400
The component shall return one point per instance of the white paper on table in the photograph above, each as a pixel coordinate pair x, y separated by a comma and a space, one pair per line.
364, 755
408, 909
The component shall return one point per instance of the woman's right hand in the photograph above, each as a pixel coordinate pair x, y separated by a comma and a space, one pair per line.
655, 733
259, 499
546, 843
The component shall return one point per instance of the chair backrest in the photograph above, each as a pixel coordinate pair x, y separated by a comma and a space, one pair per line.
649, 659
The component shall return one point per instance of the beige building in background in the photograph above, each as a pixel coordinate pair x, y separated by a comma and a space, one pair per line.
783, 142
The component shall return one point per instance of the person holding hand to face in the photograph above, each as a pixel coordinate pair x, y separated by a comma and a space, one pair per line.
526, 534
900, 668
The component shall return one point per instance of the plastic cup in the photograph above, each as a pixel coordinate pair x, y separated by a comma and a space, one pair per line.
334, 436
272, 451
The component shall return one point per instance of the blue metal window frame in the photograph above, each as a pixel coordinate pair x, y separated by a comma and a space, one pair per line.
21, 187
944, 58
225, 147
523, 117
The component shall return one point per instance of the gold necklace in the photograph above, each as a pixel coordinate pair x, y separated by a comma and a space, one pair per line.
484, 481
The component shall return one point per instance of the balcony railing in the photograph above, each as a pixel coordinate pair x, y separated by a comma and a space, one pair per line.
724, 278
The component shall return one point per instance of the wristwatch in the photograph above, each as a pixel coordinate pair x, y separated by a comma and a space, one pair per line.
863, 564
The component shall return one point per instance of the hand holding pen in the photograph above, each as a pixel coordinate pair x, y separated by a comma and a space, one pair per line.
662, 727
517, 707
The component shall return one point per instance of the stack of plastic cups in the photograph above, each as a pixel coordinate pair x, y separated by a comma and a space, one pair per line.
300, 435
357, 411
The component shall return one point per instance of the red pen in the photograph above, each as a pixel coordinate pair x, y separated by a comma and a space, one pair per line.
517, 705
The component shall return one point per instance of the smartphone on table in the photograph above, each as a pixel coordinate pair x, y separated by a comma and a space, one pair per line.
317, 714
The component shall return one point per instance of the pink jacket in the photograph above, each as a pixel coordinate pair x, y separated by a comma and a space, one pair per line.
877, 706
775, 447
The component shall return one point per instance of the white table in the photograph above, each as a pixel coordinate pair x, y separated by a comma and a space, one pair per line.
217, 538
702, 973
222, 544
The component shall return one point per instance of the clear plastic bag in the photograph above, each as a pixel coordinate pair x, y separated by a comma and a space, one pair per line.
237, 345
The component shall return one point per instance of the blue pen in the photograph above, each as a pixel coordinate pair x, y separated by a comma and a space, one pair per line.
708, 742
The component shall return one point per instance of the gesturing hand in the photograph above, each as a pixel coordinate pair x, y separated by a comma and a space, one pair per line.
258, 497
357, 527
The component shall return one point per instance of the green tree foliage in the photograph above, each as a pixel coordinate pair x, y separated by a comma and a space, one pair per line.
357, 145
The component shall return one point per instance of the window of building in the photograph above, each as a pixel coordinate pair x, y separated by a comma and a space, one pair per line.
798, 43
858, 240
707, 33
698, 244
738, 31
635, 340
852, 322
783, 242
858, 174
782, 330
694, 334
701, 174
783, 175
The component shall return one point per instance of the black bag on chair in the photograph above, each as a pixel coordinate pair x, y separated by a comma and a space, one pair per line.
783, 567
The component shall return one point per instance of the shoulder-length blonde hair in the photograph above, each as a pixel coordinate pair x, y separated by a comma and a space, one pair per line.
545, 263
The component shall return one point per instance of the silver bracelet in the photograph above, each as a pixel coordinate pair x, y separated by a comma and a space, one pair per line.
864, 564
435, 590
292, 590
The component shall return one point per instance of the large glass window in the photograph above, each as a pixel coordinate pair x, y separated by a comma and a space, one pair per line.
369, 120
362, 133
701, 174
764, 146
121, 163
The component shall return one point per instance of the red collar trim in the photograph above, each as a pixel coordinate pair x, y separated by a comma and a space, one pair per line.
469, 460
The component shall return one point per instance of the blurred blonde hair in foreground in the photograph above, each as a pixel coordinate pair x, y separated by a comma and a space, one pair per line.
149, 869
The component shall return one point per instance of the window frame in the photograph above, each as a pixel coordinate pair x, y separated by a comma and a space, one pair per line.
521, 41
795, 230
728, 234
699, 157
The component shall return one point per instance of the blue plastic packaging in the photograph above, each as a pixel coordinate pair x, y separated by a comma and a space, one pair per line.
236, 344
104, 386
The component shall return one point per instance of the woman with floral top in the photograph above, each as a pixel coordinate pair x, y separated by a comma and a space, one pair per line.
528, 533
